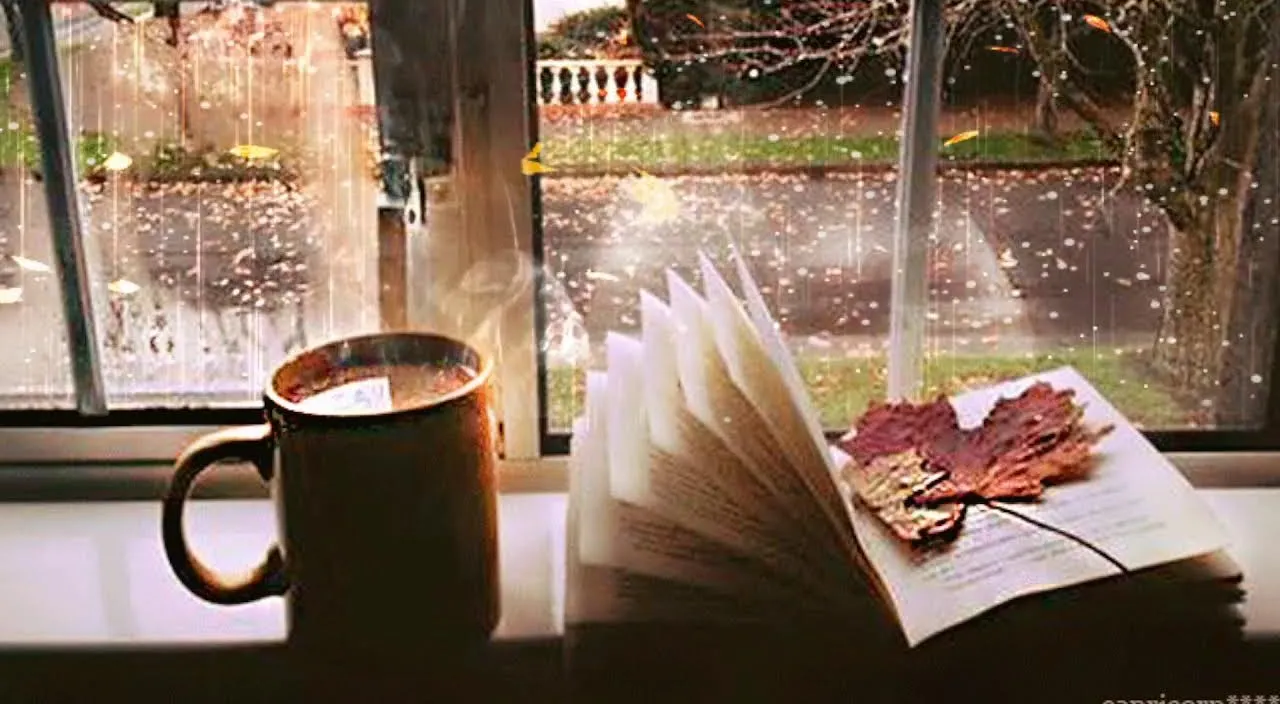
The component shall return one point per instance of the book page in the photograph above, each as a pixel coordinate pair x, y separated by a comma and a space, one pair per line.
1134, 506
596, 594
628, 536
693, 479
715, 401
786, 407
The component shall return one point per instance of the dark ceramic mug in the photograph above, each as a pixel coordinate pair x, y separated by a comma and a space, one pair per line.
380, 454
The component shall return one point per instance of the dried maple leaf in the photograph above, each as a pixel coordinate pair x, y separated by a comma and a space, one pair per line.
1025, 443
889, 428
887, 484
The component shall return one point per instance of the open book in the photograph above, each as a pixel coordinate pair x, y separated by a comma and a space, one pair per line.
702, 487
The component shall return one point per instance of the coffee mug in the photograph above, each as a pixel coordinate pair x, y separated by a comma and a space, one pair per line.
379, 452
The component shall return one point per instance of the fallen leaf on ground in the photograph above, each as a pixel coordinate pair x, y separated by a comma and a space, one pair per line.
32, 265
658, 200
962, 137
123, 287
253, 151
117, 162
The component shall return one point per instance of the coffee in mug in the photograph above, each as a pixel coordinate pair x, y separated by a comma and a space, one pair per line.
380, 454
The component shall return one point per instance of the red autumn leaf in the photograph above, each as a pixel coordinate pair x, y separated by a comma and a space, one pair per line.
1025, 443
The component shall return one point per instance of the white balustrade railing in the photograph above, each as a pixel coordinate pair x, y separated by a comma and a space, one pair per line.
558, 82
594, 82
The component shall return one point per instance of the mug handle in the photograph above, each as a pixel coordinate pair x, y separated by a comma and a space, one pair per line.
251, 443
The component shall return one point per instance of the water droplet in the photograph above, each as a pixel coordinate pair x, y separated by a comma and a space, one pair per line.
1155, 304
1256, 378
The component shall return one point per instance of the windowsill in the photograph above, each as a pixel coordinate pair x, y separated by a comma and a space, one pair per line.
94, 574
89, 606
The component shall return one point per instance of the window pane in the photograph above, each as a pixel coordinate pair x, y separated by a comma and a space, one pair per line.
226, 159
36, 372
1049, 248
1134, 271
692, 139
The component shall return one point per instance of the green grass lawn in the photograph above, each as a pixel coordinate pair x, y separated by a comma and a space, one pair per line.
708, 152
842, 388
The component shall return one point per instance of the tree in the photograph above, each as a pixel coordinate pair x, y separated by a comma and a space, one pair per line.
761, 39
589, 33
1189, 143
1188, 136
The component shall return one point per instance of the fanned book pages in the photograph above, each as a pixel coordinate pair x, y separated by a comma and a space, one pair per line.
704, 489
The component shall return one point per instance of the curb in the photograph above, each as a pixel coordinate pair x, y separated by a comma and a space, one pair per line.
821, 171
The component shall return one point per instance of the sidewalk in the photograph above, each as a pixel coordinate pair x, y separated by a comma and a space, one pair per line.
861, 120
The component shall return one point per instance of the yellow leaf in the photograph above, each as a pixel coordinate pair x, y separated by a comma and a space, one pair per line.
123, 287
694, 18
531, 168
253, 151
117, 162
1215, 118
530, 164
32, 265
657, 199
1098, 23
962, 137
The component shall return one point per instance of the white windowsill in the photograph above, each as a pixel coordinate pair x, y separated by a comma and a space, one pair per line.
94, 574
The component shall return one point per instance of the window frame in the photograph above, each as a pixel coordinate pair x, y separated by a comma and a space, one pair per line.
77, 454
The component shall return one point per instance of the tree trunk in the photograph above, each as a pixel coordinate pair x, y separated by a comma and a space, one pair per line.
1188, 348
1208, 299
1046, 111
1248, 359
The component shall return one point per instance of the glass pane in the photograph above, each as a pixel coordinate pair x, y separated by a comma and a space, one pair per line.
36, 372
688, 139
1136, 272
226, 157
691, 140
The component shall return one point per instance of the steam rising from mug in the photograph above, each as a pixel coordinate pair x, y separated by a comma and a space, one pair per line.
478, 307
480, 292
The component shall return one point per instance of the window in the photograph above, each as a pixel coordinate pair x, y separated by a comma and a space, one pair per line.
247, 178
1074, 195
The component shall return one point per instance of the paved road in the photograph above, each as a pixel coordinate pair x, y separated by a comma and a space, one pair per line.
1019, 261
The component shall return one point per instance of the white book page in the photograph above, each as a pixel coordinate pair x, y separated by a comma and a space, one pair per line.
716, 402
1134, 506
621, 534
696, 481
785, 409
595, 594
777, 350
628, 424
